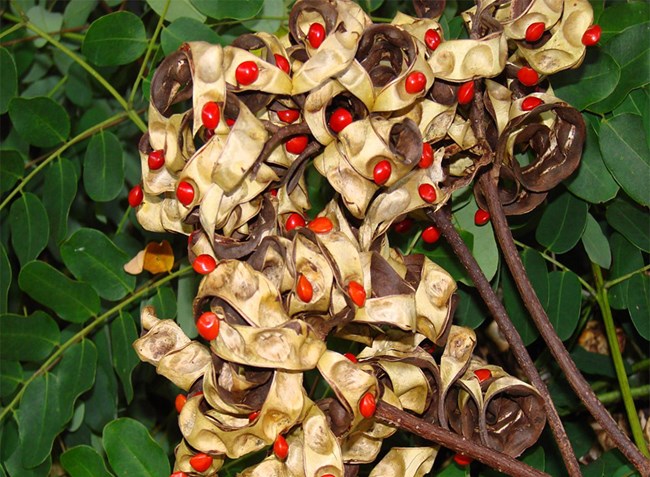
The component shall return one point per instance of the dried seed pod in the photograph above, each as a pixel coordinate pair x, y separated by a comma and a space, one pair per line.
406, 462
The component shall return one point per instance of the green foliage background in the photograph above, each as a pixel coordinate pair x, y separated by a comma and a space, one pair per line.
74, 79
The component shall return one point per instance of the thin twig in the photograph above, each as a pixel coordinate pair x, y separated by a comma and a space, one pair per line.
627, 276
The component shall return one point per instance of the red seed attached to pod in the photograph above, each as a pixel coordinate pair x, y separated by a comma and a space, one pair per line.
179, 402
180, 473
320, 225
351, 357
304, 290
403, 226
288, 115
432, 39
282, 63
462, 460
367, 405
481, 217
431, 234
530, 103
201, 462
293, 221
592, 35
185, 193
210, 115
327, 475
427, 156
357, 293
156, 159
535, 31
296, 144
281, 447
230, 122
382, 171
247, 72
316, 35
208, 325
204, 264
339, 119
253, 415
136, 196
483, 374
466, 93
415, 82
427, 193
527, 76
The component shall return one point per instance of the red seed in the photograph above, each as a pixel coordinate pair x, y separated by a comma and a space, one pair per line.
339, 119
427, 156
415, 82
432, 39
527, 76
179, 402
483, 374
403, 226
431, 234
592, 35
204, 264
535, 31
296, 144
247, 72
427, 193
481, 217
327, 475
210, 115
466, 93
382, 171
185, 193
136, 196
156, 159
208, 325
351, 357
304, 290
201, 462
462, 460
293, 221
320, 225
274, 192
316, 35
288, 115
178, 474
280, 447
367, 405
230, 122
357, 293
282, 63
530, 103
253, 415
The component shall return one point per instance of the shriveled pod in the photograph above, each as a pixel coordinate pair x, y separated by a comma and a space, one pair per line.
406, 462
184, 454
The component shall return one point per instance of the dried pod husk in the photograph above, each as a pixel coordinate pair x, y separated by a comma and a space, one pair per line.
429, 8
435, 118
172, 82
517, 16
320, 447
270, 79
159, 213
183, 453
463, 406
417, 27
406, 462
269, 258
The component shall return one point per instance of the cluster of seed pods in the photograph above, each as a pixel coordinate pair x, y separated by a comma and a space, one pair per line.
384, 113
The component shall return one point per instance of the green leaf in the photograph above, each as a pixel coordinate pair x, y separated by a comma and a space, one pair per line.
484, 247
12, 168
73, 301
103, 173
123, 334
15, 466
626, 258
471, 311
580, 434
594, 363
631, 221
370, 5
596, 78
78, 88
638, 303
185, 29
132, 451
565, 296
607, 465
92, 257
274, 10
101, 404
442, 254
11, 375
620, 16
76, 12
28, 338
240, 10
187, 287
40, 121
59, 191
596, 244
562, 223
29, 227
76, 375
164, 301
627, 155
177, 9
84, 461
46, 20
8, 80
6, 275
115, 39
593, 181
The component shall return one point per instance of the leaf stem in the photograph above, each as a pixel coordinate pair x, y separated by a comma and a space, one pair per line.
627, 276
414, 240
86, 331
615, 396
617, 358
10, 30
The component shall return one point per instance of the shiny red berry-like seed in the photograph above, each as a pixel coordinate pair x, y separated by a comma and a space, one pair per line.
180, 473
483, 374
274, 192
179, 402
481, 217
304, 289
320, 225
201, 462
367, 405
253, 415
462, 460
230, 122
527, 76
282, 63
403, 226
351, 357
210, 115
382, 171
185, 193
281, 447
339, 119
415, 82
466, 93
293, 221
357, 293
297, 144
431, 234
316, 35
592, 35
432, 39
208, 325
530, 103
427, 156
156, 159
535, 31
204, 264
247, 72
288, 115
136, 196
327, 475
427, 193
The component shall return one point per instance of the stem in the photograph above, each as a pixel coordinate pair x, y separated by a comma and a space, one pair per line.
86, 331
641, 365
9, 31
442, 220
615, 396
393, 416
414, 240
617, 358
578, 383
618, 280
118, 118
